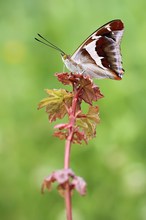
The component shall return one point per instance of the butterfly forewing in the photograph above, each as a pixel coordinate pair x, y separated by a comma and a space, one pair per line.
100, 55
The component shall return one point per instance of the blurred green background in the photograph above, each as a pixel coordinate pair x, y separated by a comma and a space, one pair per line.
114, 163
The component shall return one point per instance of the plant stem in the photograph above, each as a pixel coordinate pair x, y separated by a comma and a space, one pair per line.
67, 155
67, 191
67, 150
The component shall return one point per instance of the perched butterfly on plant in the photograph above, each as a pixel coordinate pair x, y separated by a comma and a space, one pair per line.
99, 55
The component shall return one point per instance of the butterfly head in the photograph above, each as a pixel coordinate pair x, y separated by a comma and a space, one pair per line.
72, 65
67, 61
65, 56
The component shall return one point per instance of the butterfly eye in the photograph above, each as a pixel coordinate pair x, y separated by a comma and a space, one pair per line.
64, 56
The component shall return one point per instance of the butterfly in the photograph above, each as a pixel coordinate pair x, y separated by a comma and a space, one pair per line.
99, 55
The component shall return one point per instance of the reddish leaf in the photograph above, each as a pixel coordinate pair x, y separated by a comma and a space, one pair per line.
89, 92
80, 185
68, 78
63, 177
62, 135
79, 136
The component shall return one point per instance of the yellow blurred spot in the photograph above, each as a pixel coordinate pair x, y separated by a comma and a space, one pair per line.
14, 52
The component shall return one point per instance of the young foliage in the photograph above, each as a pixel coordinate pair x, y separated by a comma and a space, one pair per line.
61, 102
79, 127
56, 103
62, 177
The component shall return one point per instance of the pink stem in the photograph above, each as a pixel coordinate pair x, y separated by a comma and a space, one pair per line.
66, 166
67, 156
67, 150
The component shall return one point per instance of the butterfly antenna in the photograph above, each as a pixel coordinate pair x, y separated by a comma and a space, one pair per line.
49, 44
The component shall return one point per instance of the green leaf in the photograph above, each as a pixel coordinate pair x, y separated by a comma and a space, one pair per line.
88, 122
56, 103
